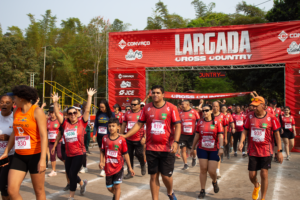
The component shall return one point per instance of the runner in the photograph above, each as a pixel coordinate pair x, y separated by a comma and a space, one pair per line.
87, 136
277, 111
230, 128
135, 142
288, 131
189, 118
53, 129
239, 120
101, 127
209, 134
128, 108
30, 139
113, 149
6, 129
161, 142
74, 130
118, 113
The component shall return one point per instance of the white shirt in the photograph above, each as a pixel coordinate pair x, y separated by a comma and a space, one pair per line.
6, 127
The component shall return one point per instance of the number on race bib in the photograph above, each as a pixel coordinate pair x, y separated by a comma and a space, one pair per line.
22, 142
187, 129
112, 153
258, 134
102, 130
131, 124
52, 135
239, 123
209, 144
158, 127
288, 125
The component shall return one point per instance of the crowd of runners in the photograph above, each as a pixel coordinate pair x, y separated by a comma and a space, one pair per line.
156, 133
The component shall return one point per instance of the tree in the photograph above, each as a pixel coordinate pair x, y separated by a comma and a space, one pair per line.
119, 26
201, 9
1, 34
16, 32
284, 10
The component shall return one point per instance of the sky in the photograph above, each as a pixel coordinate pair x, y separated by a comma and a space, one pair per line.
135, 12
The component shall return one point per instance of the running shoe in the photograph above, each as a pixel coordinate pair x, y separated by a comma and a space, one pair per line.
194, 162
82, 171
288, 157
228, 156
178, 156
216, 187
52, 173
71, 198
231, 149
218, 175
83, 187
67, 187
255, 193
128, 176
201, 195
235, 154
102, 173
172, 197
244, 155
143, 170
185, 167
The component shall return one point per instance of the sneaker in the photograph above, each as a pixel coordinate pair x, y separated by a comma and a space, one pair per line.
288, 157
235, 154
201, 195
82, 171
194, 161
255, 193
67, 187
128, 176
228, 156
216, 187
177, 155
218, 175
88, 152
86, 170
83, 187
231, 149
102, 173
52, 173
185, 167
172, 197
71, 198
143, 170
244, 155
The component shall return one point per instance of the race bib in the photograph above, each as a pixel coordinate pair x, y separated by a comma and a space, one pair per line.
239, 123
288, 125
22, 142
131, 124
3, 145
102, 130
187, 129
112, 153
209, 144
52, 135
258, 134
70, 134
158, 127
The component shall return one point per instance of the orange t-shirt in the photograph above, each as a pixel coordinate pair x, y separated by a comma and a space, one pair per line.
25, 125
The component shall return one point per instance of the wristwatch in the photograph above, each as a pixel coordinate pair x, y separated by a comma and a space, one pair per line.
221, 147
279, 150
176, 142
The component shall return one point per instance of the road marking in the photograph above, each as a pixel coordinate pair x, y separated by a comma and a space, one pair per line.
277, 187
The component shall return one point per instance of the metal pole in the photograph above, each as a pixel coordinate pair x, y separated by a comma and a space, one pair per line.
51, 82
44, 74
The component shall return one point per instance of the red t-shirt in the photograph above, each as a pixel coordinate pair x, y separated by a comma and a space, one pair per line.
287, 123
188, 121
229, 120
201, 114
130, 118
239, 121
52, 129
159, 121
208, 133
270, 110
120, 117
74, 137
113, 151
277, 113
260, 135
222, 119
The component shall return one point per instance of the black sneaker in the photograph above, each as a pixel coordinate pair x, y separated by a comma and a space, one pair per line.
143, 170
194, 162
67, 187
235, 154
216, 187
185, 167
244, 155
201, 195
128, 176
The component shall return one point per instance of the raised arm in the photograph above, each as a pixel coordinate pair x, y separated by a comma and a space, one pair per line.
55, 99
90, 93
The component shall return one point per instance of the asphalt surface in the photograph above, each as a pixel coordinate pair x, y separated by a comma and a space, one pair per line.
284, 181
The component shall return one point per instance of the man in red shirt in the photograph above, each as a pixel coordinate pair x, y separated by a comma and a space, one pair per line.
260, 126
161, 142
239, 120
277, 111
135, 142
189, 118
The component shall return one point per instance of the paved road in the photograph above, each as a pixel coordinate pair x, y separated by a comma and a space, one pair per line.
284, 181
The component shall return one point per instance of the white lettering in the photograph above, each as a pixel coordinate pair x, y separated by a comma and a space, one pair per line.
235, 47
208, 44
177, 45
221, 43
187, 45
245, 42
198, 43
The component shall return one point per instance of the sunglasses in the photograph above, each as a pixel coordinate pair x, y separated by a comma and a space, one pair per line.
127, 109
73, 113
205, 111
255, 99
134, 104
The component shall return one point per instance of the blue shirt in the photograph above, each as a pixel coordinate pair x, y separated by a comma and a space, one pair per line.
102, 121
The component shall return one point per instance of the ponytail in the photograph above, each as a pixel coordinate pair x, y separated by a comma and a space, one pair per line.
213, 118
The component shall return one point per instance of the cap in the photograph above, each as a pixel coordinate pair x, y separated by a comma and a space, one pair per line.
257, 100
51, 109
143, 103
273, 102
77, 108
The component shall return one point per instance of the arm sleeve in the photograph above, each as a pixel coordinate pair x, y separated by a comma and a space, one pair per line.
175, 116
275, 123
220, 128
124, 146
197, 115
247, 123
293, 121
142, 116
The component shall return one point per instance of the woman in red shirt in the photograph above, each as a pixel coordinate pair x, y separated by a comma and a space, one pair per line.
209, 136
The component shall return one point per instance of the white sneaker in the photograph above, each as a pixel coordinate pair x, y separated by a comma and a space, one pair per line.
86, 169
102, 173
82, 171
218, 175
52, 173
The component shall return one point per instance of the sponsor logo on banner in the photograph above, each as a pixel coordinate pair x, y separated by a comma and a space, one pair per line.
283, 36
126, 92
132, 55
125, 84
122, 44
120, 76
294, 48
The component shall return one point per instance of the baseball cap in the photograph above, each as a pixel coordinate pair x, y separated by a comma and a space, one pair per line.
257, 100
273, 101
143, 103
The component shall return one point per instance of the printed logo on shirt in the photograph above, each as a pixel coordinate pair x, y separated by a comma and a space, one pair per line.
118, 116
191, 115
138, 117
212, 126
277, 115
264, 125
290, 119
22, 119
164, 116
55, 125
75, 126
10, 127
116, 147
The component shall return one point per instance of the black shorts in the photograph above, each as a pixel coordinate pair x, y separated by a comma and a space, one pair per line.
287, 134
114, 179
99, 140
186, 141
26, 163
162, 162
258, 163
208, 155
4, 177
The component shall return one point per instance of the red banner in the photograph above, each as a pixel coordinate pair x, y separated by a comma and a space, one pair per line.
125, 85
176, 95
211, 46
292, 96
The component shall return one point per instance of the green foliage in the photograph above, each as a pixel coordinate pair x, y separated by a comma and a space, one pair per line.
119, 26
16, 32
1, 34
201, 9
284, 10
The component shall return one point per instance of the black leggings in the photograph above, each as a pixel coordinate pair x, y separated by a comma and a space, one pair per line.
135, 149
4, 177
236, 138
84, 160
73, 165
